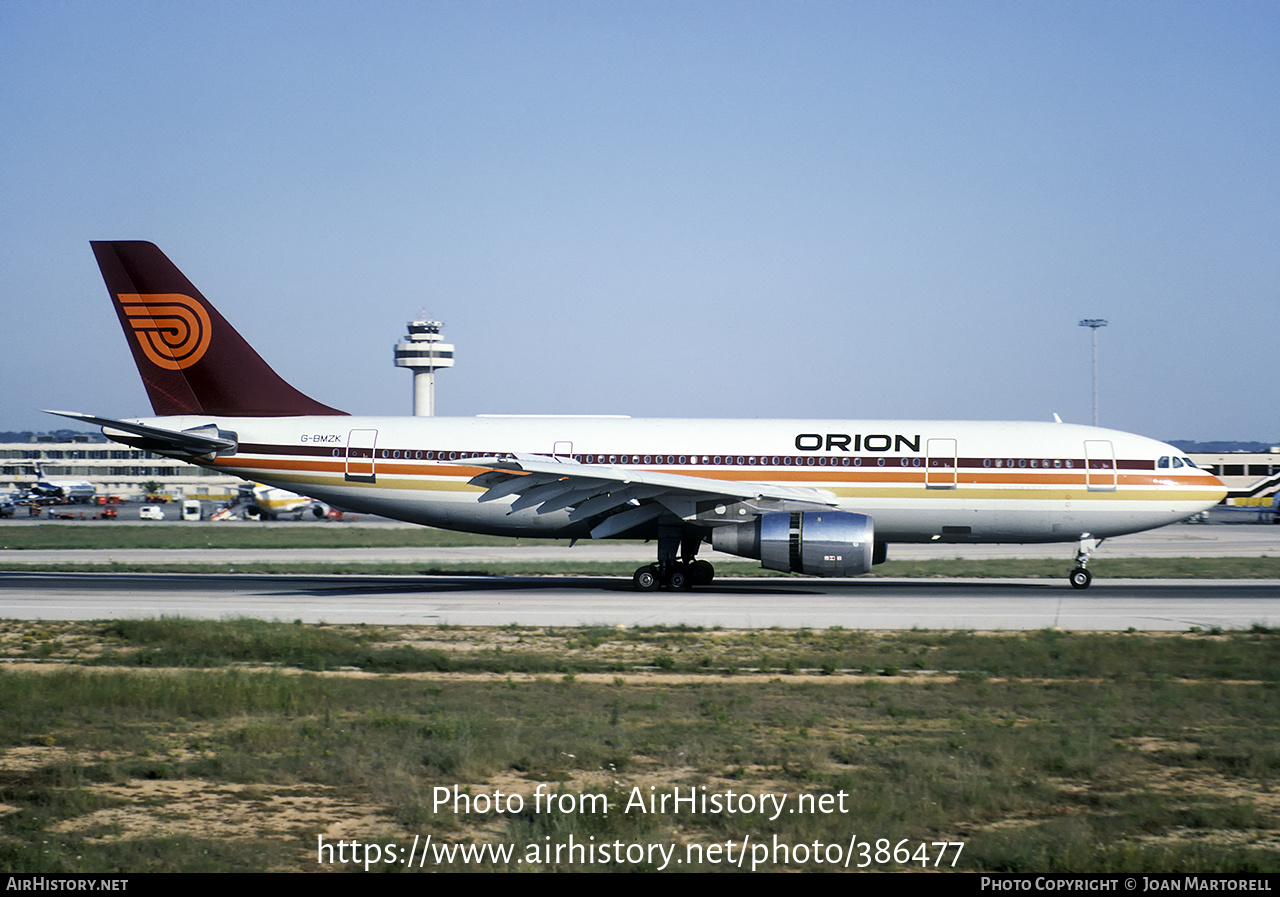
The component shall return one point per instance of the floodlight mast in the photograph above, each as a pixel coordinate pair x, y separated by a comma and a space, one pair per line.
1093, 324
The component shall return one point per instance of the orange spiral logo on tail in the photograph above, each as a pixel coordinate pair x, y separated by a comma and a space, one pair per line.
172, 329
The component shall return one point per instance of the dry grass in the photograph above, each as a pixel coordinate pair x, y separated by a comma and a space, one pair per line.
1042, 751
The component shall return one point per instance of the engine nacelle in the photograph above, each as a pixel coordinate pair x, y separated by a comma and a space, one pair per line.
816, 543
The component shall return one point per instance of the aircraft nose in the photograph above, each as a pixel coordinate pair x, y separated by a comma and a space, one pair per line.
1220, 490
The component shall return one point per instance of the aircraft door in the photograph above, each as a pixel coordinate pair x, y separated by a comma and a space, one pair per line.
562, 450
361, 445
941, 464
1100, 465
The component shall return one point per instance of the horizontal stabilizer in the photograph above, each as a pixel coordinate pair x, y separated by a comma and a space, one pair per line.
156, 439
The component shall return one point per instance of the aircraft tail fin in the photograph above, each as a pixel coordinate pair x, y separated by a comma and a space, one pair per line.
191, 360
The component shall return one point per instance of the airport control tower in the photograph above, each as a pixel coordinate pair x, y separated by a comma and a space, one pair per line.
423, 352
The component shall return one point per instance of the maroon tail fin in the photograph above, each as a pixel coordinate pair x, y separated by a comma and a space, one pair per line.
191, 360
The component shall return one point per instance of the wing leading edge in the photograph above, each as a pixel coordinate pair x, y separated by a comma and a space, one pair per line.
626, 497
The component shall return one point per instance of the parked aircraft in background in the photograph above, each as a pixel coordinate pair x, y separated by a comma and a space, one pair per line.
270, 503
73, 491
1266, 513
1275, 508
823, 498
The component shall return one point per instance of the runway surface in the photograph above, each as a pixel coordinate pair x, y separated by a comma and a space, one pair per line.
868, 603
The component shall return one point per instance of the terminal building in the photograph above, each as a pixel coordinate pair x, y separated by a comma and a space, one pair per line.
1250, 477
114, 469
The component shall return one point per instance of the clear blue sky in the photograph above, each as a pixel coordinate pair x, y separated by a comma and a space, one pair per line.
695, 209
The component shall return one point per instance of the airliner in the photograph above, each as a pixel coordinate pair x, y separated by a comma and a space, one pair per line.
61, 490
270, 503
815, 497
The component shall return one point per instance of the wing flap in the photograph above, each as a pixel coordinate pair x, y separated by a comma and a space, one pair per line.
620, 523
536, 495
602, 504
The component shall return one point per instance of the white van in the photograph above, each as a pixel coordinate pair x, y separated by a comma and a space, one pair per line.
151, 512
191, 510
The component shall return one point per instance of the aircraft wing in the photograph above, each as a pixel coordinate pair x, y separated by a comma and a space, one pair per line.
621, 498
185, 443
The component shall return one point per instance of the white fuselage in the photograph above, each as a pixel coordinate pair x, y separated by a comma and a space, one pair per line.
67, 490
921, 481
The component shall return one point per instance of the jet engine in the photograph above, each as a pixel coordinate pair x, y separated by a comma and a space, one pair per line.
817, 543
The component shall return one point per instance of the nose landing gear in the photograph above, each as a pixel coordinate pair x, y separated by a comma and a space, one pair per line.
1080, 577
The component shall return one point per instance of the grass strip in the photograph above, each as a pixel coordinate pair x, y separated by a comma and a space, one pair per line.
55, 536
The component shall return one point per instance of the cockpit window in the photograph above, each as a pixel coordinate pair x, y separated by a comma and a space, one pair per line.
1163, 462
1189, 463
1177, 462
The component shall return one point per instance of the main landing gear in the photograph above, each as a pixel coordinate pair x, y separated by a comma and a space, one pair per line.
676, 573
1080, 577
679, 577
